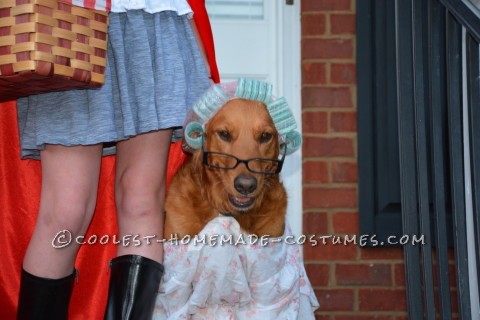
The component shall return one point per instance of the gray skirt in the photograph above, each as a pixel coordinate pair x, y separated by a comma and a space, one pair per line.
154, 74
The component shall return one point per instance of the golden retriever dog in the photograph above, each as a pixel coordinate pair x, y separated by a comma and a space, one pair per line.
236, 173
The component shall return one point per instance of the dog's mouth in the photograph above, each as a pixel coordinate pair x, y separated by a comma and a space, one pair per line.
242, 202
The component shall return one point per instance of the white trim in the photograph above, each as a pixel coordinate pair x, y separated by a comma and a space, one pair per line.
289, 37
471, 244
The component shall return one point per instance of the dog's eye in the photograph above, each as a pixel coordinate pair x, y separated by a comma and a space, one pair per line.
225, 135
265, 137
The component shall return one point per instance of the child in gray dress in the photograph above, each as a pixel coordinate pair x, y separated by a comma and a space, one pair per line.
155, 72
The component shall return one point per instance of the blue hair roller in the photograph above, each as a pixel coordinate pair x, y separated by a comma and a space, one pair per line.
293, 139
254, 90
193, 134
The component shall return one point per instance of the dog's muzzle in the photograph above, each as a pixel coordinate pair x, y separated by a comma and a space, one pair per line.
245, 184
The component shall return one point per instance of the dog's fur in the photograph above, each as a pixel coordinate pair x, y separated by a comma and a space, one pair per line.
198, 193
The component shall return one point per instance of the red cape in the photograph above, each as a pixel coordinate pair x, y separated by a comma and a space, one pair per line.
19, 198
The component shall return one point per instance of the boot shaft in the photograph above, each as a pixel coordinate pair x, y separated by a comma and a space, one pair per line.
43, 298
134, 283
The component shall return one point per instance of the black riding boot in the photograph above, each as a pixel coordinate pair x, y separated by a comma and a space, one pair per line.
134, 282
42, 298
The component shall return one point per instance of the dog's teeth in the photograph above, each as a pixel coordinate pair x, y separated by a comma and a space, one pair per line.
241, 201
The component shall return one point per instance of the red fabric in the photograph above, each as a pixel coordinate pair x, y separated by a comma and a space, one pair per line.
19, 198
204, 29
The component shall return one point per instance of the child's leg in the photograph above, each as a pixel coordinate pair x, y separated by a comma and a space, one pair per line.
140, 196
67, 201
140, 190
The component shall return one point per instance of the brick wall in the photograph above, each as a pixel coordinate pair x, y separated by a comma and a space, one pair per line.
350, 282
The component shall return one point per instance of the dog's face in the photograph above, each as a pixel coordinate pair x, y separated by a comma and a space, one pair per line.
243, 129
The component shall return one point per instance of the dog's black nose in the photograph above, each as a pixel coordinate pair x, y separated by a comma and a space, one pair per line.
245, 184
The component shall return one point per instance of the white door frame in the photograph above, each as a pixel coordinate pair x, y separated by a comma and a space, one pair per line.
289, 39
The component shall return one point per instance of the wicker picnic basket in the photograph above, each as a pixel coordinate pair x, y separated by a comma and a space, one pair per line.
48, 45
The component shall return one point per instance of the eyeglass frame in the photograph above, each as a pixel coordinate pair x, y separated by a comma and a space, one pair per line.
279, 161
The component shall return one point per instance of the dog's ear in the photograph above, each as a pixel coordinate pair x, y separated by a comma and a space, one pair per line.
197, 161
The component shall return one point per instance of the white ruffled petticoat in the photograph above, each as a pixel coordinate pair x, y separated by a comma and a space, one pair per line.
151, 6
242, 278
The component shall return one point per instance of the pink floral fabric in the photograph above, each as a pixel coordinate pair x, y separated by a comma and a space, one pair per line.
226, 274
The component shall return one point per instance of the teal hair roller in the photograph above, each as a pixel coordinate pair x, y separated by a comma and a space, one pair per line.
293, 139
282, 116
254, 90
211, 101
193, 134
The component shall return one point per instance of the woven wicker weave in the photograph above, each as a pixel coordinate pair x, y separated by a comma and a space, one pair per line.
47, 45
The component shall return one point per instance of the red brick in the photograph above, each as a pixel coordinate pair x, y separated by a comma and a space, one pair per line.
451, 254
345, 222
314, 73
315, 223
313, 24
452, 296
323, 197
454, 299
342, 24
399, 275
327, 147
363, 317
314, 48
326, 5
401, 318
315, 172
327, 97
314, 122
344, 121
321, 317
344, 172
382, 253
335, 299
363, 274
343, 73
382, 300
318, 274
328, 251
451, 274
